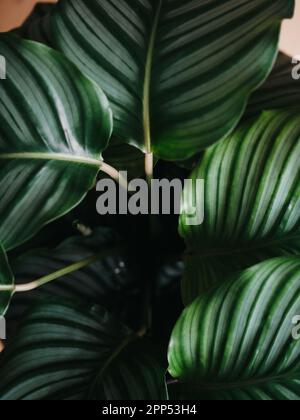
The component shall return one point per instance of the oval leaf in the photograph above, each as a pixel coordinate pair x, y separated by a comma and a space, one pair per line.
67, 352
236, 343
54, 124
178, 74
252, 202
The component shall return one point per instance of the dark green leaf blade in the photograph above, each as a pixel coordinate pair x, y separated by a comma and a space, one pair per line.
54, 125
252, 201
6, 279
67, 352
106, 282
236, 342
281, 89
178, 75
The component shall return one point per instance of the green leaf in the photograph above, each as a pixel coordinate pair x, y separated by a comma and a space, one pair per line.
67, 352
54, 124
177, 74
106, 282
6, 279
252, 201
281, 90
236, 342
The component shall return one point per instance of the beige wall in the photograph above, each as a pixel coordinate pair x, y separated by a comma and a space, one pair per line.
13, 12
290, 36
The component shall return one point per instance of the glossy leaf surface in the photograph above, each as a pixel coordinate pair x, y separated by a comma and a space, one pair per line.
54, 125
252, 201
68, 352
238, 342
177, 74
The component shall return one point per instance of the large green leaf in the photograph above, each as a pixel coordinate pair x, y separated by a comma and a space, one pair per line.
106, 282
178, 74
236, 342
6, 279
54, 124
66, 352
281, 90
252, 201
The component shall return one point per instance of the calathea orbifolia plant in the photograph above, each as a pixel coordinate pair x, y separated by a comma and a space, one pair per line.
169, 81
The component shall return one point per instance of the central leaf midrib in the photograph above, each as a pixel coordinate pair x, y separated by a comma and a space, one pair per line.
52, 157
147, 81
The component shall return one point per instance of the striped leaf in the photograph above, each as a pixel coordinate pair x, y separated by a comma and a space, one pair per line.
237, 342
252, 201
281, 90
6, 279
178, 74
54, 124
67, 352
106, 282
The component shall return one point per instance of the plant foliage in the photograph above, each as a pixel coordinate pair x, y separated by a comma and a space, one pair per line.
177, 75
235, 343
153, 87
252, 201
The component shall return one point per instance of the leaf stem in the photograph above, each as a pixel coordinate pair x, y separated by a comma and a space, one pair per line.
152, 226
149, 167
21, 288
114, 174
